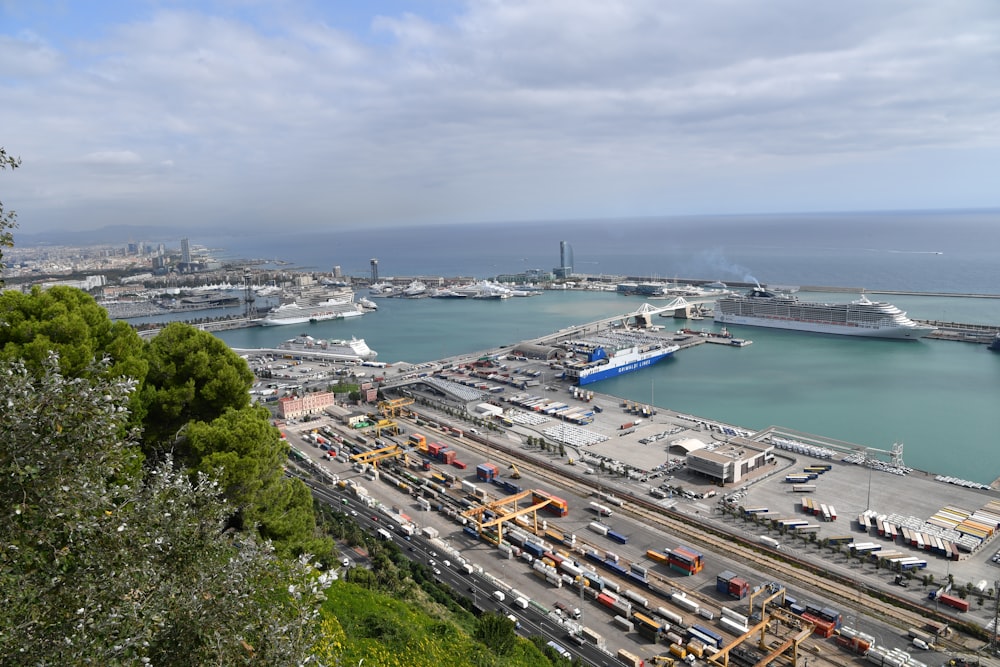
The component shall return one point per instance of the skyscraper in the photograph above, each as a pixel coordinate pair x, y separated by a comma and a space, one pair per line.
565, 269
185, 251
374, 264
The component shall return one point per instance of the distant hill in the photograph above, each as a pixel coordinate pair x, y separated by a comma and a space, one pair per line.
112, 234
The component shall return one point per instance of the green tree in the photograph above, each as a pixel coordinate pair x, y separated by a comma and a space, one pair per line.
8, 220
193, 376
101, 564
70, 322
497, 632
241, 449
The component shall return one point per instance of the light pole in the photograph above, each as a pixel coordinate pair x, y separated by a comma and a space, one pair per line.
996, 614
868, 503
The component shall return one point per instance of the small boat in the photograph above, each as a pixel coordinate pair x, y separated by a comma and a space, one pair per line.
415, 289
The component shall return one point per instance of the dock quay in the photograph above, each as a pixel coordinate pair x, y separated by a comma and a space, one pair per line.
964, 333
712, 477
641, 457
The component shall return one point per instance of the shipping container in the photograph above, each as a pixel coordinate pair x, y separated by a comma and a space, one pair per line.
696, 648
556, 505
682, 601
628, 659
617, 537
602, 510
706, 636
636, 598
657, 556
821, 627
598, 528
623, 623
686, 560
637, 578
668, 615
732, 626
953, 601
486, 472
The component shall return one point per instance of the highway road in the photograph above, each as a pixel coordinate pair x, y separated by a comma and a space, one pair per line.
473, 586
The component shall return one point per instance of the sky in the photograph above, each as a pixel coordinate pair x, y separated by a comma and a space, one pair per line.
247, 114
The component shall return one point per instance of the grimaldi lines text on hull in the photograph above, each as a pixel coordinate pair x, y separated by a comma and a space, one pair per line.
629, 352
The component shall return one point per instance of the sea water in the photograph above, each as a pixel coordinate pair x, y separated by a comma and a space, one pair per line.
938, 398
938, 251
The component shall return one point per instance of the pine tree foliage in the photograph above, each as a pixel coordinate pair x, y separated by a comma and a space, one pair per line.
8, 219
102, 564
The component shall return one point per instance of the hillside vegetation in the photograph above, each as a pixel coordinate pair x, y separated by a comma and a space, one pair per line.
147, 519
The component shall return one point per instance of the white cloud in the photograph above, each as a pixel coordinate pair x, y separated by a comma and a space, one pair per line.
26, 55
112, 157
512, 109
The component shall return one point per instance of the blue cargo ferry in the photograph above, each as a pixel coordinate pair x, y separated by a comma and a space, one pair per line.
598, 364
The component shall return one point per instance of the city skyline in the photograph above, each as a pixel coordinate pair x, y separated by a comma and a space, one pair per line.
218, 115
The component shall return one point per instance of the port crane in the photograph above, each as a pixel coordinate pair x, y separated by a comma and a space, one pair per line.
503, 514
376, 455
394, 407
388, 425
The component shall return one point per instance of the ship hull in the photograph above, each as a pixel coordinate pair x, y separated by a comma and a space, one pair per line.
305, 319
352, 350
893, 333
614, 370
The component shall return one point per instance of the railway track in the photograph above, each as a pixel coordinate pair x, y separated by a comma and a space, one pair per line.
790, 570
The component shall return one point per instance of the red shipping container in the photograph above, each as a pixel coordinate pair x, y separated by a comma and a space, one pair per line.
738, 588
823, 628
952, 601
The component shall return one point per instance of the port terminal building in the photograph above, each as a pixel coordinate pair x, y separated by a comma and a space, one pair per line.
732, 462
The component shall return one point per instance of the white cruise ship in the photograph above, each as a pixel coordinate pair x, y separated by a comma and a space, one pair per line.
348, 350
312, 305
861, 317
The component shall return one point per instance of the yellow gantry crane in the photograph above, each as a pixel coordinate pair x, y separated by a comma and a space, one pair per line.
779, 592
394, 407
804, 627
376, 455
386, 425
503, 514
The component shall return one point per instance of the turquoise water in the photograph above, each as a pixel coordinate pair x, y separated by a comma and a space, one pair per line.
936, 397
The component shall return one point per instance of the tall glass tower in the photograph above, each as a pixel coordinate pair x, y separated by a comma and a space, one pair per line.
565, 269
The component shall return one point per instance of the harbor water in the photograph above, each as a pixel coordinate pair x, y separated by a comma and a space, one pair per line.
936, 397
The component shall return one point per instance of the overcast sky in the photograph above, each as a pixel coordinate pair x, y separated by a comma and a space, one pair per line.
362, 112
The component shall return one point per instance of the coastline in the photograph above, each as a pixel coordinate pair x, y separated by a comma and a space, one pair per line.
863, 391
